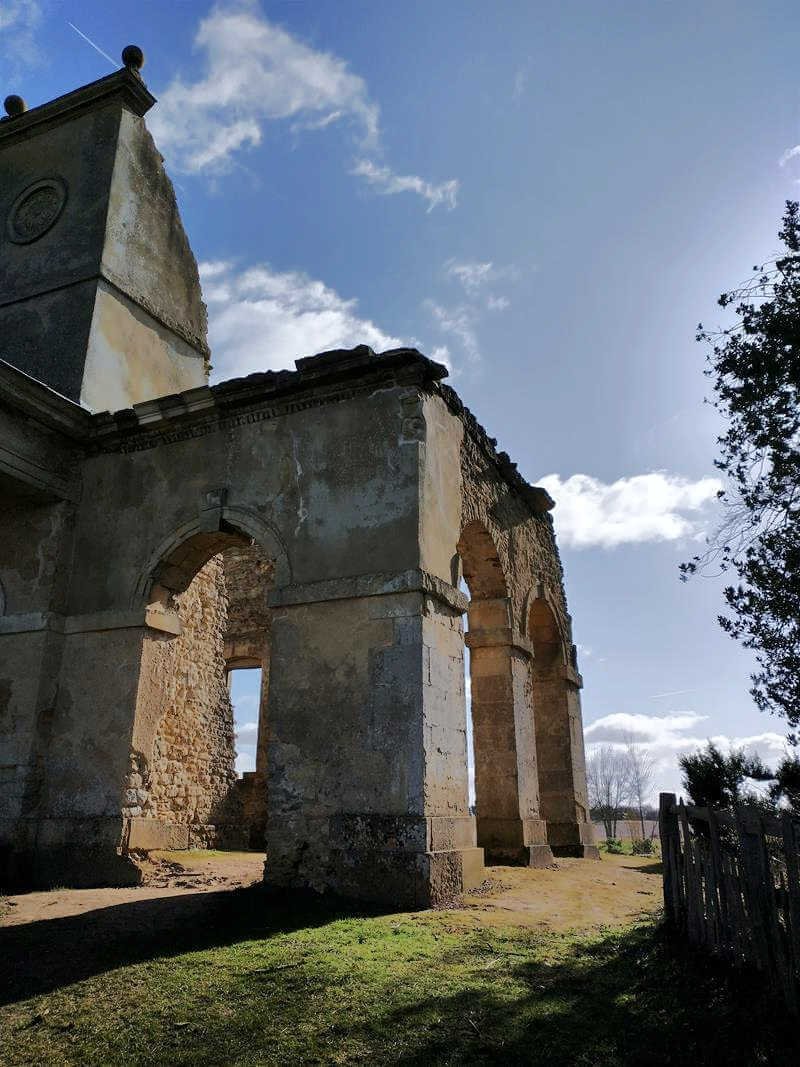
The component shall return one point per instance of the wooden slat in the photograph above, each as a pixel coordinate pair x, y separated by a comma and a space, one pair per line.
735, 888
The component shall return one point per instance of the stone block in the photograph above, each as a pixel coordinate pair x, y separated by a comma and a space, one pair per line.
148, 834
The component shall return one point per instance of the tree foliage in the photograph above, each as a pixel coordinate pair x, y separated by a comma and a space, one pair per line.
713, 779
755, 369
786, 786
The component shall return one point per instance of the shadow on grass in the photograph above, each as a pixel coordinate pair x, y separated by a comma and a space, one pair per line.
508, 996
633, 998
651, 868
40, 957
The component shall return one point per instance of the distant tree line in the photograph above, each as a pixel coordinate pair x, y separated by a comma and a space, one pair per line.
619, 781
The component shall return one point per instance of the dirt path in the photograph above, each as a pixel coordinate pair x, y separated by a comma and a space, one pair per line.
578, 894
168, 874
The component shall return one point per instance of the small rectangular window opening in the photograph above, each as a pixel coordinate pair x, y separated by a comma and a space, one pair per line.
245, 689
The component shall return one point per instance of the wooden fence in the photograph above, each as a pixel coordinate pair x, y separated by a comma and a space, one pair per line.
732, 886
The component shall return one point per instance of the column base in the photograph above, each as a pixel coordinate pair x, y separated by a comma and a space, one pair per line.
404, 861
405, 879
79, 854
572, 839
539, 856
586, 852
514, 842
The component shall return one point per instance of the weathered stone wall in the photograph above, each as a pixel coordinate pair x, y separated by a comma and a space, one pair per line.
249, 576
190, 777
493, 529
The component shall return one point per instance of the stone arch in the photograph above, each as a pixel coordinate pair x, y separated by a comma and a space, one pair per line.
182, 784
180, 555
545, 635
559, 730
480, 560
508, 827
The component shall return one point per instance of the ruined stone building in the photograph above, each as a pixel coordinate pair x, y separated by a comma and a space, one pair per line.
157, 532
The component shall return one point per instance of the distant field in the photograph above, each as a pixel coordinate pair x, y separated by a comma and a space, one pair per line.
628, 829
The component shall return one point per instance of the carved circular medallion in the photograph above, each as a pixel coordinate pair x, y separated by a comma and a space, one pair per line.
36, 209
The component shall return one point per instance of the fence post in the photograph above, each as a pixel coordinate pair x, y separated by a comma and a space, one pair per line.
670, 844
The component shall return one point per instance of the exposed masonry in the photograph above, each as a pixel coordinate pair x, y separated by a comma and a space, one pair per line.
192, 775
315, 523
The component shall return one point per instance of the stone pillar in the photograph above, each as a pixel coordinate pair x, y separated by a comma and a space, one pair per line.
509, 827
562, 768
367, 743
76, 832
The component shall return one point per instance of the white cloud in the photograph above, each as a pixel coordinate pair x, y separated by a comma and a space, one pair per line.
19, 21
650, 729
388, 183
261, 319
667, 737
790, 153
470, 274
252, 71
247, 732
645, 507
459, 322
441, 354
520, 84
245, 761
246, 739
474, 276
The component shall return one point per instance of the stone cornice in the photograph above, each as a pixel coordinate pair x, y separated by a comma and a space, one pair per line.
104, 274
23, 393
538, 500
123, 87
367, 585
323, 379
96, 622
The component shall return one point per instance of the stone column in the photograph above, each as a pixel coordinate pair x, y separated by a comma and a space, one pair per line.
562, 769
509, 826
367, 745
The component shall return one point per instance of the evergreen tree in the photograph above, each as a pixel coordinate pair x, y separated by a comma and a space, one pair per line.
713, 779
755, 369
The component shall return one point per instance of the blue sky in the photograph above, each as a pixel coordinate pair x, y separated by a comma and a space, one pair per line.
546, 196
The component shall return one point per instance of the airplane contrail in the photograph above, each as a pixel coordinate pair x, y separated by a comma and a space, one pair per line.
88, 40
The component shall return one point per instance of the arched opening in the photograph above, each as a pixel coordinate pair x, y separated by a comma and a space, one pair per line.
545, 637
559, 734
491, 695
208, 596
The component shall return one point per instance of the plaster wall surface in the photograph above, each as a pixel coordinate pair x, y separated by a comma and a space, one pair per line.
104, 303
131, 356
347, 500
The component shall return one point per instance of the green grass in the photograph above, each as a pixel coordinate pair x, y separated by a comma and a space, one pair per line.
627, 847
282, 980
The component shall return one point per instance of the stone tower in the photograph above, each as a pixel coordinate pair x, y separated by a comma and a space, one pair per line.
99, 292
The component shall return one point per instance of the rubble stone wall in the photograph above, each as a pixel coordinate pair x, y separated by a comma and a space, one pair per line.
192, 777
249, 576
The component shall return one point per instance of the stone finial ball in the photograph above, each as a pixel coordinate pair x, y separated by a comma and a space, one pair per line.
14, 106
133, 56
